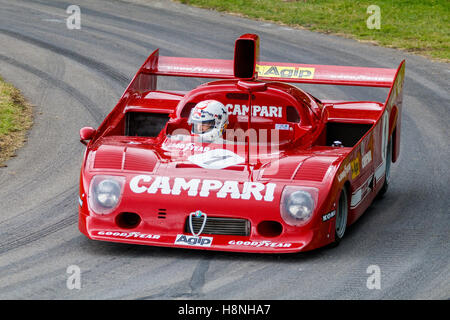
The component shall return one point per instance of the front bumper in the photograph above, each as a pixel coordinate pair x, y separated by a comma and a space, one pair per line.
99, 228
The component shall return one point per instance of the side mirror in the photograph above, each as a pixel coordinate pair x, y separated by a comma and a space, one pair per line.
86, 133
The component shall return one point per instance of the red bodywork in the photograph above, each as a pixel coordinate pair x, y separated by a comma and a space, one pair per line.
164, 179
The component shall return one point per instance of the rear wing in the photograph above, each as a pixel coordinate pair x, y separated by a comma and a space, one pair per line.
246, 66
276, 71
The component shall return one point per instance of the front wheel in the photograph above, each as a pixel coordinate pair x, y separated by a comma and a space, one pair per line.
341, 217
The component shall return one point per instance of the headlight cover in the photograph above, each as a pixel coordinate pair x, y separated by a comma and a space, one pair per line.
298, 204
105, 193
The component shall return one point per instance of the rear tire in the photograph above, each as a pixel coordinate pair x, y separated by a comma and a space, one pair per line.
385, 186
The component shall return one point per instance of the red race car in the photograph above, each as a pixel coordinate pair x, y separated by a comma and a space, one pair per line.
244, 163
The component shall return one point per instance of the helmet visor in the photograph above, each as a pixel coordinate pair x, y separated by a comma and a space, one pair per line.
200, 127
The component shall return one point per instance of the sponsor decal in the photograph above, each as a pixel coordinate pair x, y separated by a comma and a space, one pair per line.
127, 235
366, 159
216, 159
381, 169
189, 69
202, 188
257, 111
184, 147
328, 216
344, 172
367, 144
355, 167
264, 243
193, 240
285, 72
282, 126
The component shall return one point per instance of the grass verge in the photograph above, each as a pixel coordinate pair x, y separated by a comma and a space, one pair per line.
15, 120
417, 26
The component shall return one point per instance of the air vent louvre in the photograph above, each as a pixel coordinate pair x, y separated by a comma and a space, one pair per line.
162, 213
139, 160
108, 158
312, 171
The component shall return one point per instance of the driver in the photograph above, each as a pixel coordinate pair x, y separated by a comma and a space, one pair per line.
209, 119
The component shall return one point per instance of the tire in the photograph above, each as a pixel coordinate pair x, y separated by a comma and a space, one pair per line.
341, 217
385, 186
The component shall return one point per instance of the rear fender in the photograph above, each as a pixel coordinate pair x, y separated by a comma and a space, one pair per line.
394, 103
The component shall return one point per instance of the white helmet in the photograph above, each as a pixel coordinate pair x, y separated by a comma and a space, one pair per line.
209, 119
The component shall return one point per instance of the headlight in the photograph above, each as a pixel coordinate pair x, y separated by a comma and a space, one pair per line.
105, 193
298, 204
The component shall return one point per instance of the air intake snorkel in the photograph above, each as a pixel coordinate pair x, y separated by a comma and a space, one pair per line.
246, 58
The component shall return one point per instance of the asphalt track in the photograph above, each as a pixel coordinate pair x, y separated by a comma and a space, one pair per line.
75, 77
